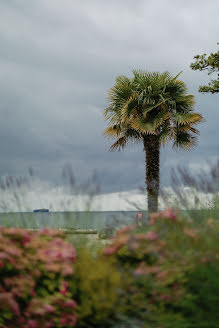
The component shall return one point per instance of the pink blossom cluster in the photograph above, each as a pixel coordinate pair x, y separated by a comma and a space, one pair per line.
168, 214
148, 250
35, 272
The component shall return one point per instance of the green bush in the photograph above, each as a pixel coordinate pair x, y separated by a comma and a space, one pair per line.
36, 269
97, 288
172, 271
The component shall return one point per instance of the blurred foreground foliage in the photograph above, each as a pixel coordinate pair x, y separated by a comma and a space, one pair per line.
36, 269
174, 270
162, 275
98, 289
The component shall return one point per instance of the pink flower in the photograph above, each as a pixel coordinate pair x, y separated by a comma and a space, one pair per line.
169, 214
3, 255
33, 293
49, 308
65, 284
67, 271
59, 255
63, 321
26, 239
14, 307
153, 218
110, 250
1, 264
63, 291
73, 254
139, 271
64, 288
126, 229
133, 245
70, 303
45, 231
72, 319
141, 236
191, 233
151, 235
32, 324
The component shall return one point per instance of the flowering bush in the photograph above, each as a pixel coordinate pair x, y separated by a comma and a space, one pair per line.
35, 273
163, 275
172, 268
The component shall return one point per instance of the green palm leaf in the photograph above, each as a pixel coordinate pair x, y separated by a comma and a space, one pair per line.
119, 144
187, 118
185, 141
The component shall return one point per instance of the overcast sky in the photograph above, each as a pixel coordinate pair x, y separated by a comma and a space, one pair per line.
59, 58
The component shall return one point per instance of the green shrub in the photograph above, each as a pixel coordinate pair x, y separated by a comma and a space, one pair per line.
97, 288
172, 270
35, 274
106, 233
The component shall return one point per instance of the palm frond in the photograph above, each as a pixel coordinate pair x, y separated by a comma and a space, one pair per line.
149, 126
113, 131
184, 103
187, 128
129, 106
187, 118
165, 135
119, 144
184, 140
176, 77
147, 109
127, 136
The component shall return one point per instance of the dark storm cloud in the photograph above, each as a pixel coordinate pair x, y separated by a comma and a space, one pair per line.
57, 61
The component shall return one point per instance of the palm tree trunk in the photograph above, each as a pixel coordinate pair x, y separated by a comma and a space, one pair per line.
152, 161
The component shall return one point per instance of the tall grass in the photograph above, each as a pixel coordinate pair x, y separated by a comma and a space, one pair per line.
196, 194
16, 210
15, 201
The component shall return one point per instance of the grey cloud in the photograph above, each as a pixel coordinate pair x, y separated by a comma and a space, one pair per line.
57, 61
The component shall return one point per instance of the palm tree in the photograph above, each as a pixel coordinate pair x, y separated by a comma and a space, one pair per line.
152, 108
